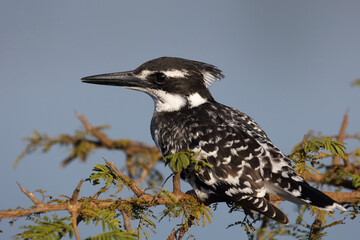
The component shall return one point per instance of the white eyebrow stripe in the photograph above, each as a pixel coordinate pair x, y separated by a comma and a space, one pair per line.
175, 73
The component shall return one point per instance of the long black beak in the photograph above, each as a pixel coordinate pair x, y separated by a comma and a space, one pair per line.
123, 79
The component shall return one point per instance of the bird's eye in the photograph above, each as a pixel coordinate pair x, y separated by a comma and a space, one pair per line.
160, 78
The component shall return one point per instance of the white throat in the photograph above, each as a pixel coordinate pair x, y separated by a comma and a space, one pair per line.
171, 102
168, 102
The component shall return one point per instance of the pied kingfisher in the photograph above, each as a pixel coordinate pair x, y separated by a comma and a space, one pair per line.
246, 166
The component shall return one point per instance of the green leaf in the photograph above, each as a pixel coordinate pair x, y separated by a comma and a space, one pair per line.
114, 235
103, 172
47, 228
179, 161
185, 160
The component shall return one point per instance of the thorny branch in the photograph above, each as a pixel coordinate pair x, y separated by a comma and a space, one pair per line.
130, 148
126, 217
143, 200
73, 208
129, 182
30, 195
340, 138
317, 178
317, 226
99, 135
99, 140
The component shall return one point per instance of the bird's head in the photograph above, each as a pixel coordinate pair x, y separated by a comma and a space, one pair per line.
173, 83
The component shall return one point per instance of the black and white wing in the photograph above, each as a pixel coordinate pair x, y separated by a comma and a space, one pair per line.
246, 165
237, 173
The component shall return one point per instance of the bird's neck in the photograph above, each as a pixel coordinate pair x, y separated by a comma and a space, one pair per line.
169, 102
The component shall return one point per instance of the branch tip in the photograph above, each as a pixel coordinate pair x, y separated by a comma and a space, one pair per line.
29, 195
99, 135
340, 138
126, 217
131, 184
76, 193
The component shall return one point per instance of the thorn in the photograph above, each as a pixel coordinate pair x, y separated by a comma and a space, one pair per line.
76, 192
30, 195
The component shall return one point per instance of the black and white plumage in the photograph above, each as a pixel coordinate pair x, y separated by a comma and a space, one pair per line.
246, 164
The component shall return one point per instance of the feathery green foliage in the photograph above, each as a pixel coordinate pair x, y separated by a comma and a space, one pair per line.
342, 174
114, 236
47, 228
103, 172
79, 146
182, 160
310, 151
192, 212
109, 222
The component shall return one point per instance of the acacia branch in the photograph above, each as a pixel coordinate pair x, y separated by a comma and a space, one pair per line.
74, 208
143, 200
316, 227
340, 138
181, 230
146, 170
320, 179
82, 145
99, 135
129, 166
76, 193
30, 195
126, 217
129, 182
176, 184
130, 148
74, 223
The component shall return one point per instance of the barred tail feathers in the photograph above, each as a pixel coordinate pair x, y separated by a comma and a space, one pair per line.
318, 199
263, 206
300, 192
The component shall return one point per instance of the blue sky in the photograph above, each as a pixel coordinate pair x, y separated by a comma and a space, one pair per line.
288, 64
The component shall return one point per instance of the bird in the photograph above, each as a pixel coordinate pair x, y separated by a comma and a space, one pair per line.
245, 165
